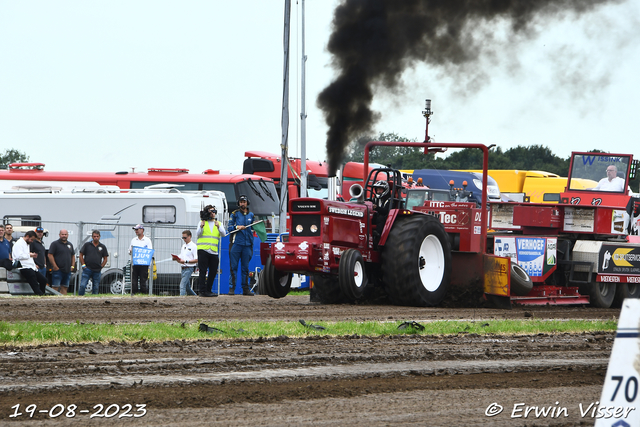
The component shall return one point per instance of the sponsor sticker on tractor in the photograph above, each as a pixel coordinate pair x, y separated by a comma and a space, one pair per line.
578, 219
615, 259
531, 254
536, 255
502, 217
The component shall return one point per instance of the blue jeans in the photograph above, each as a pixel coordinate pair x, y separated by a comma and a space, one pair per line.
60, 278
238, 253
185, 282
43, 271
95, 278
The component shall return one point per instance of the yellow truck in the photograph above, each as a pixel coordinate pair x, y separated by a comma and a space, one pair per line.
538, 186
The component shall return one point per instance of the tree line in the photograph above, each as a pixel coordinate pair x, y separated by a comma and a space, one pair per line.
11, 155
533, 157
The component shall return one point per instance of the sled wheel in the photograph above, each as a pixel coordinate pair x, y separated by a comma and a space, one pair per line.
521, 283
416, 261
601, 294
625, 290
351, 275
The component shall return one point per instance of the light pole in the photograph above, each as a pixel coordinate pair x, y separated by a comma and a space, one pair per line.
427, 113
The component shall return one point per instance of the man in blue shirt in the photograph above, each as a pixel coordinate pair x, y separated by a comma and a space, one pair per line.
5, 251
240, 221
8, 234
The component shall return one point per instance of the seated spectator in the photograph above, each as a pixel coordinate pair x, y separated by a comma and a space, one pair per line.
28, 267
8, 234
6, 260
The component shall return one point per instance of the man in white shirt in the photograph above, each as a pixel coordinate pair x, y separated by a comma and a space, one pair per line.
188, 260
140, 272
28, 269
612, 182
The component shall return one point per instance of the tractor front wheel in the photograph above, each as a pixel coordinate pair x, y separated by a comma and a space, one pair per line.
276, 283
351, 274
416, 261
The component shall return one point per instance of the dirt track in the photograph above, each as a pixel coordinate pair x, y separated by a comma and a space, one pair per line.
307, 381
190, 309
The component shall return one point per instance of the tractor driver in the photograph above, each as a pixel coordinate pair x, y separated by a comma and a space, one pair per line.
381, 203
612, 182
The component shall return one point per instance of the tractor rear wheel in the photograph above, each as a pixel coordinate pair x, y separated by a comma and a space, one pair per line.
521, 283
327, 290
625, 290
351, 275
416, 261
276, 283
601, 294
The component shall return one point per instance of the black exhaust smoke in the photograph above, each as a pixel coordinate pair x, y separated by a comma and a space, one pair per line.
374, 41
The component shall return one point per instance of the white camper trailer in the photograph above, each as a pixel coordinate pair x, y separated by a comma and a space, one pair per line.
165, 213
48, 186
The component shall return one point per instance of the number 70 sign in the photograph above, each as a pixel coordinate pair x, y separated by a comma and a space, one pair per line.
621, 391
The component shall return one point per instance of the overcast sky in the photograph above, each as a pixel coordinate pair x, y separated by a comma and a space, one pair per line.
97, 85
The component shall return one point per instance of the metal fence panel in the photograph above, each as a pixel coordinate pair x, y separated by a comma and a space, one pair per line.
166, 240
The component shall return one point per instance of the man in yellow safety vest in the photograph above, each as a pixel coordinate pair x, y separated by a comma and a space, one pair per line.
208, 235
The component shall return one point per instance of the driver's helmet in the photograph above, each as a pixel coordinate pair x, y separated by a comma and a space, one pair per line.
384, 185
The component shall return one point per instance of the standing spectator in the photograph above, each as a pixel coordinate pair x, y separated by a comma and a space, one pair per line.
38, 247
6, 260
241, 219
93, 257
188, 260
208, 234
8, 234
62, 258
139, 272
28, 267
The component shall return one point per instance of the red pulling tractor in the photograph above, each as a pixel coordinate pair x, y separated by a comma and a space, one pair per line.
537, 253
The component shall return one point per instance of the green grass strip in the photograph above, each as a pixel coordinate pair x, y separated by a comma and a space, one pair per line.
35, 333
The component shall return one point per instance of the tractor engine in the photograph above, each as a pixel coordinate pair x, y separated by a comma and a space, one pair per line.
321, 231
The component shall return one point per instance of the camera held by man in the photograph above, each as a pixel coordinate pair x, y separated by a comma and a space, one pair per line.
208, 214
